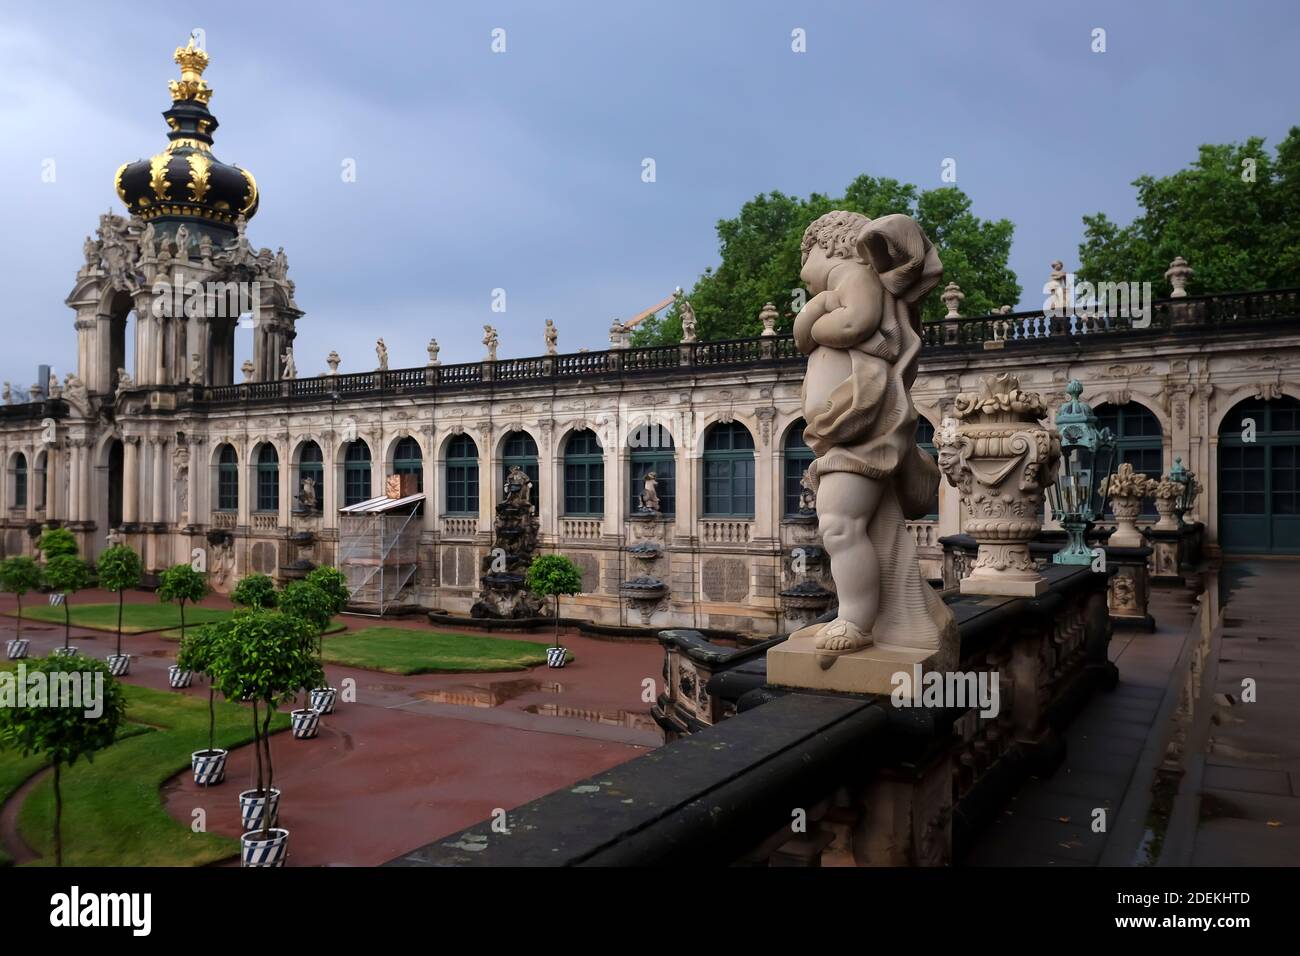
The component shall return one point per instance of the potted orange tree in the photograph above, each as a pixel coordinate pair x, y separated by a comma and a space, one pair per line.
181, 583
18, 575
119, 568
551, 575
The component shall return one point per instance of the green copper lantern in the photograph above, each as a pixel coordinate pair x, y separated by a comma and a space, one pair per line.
1087, 459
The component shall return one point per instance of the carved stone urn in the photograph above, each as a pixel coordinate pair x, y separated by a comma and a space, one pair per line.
1000, 457
1127, 488
1167, 494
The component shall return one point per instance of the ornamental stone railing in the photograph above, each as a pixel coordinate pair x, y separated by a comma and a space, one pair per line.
1212, 313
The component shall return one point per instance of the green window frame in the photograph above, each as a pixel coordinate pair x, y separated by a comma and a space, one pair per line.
460, 469
798, 456
409, 460
356, 473
728, 471
227, 479
20, 480
268, 479
653, 449
1139, 441
311, 464
584, 475
925, 442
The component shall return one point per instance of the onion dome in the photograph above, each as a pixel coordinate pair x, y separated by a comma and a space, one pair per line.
185, 182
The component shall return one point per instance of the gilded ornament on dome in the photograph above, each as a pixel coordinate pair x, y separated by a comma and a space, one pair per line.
158, 175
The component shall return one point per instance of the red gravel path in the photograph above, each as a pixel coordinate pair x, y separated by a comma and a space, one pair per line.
414, 758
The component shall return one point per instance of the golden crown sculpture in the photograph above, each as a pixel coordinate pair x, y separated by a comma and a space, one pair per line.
193, 61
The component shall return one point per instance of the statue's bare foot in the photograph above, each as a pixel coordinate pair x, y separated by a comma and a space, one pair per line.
840, 637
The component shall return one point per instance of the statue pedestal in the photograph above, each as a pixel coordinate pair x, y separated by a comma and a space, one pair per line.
1007, 586
797, 663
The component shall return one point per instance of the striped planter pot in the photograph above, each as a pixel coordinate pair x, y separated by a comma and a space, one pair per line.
305, 723
16, 649
119, 665
252, 804
71, 651
322, 700
209, 767
556, 656
178, 678
255, 851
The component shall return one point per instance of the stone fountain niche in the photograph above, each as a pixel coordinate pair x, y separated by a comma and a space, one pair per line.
806, 597
514, 543
645, 592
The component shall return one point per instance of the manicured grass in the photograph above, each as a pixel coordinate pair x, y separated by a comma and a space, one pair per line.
408, 651
175, 633
136, 618
112, 810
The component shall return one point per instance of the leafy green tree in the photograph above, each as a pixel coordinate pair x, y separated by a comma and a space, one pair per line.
551, 575
266, 657
18, 575
760, 257
306, 599
334, 583
1233, 214
67, 574
255, 591
181, 583
201, 653
56, 542
63, 734
120, 568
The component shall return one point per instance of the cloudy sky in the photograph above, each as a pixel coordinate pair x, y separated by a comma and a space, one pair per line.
522, 170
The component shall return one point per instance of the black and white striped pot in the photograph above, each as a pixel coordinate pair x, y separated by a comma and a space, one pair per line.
16, 649
271, 851
252, 804
305, 723
322, 700
178, 678
119, 665
556, 656
71, 651
209, 767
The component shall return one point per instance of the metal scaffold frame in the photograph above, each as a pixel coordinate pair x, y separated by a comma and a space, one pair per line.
378, 552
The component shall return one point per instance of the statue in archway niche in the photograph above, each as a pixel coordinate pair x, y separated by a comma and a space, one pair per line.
861, 333
650, 494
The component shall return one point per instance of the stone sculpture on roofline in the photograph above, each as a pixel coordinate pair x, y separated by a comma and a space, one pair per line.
861, 333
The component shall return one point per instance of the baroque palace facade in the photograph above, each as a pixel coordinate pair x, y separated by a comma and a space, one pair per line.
177, 455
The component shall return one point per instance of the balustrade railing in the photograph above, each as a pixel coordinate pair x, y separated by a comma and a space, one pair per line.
993, 331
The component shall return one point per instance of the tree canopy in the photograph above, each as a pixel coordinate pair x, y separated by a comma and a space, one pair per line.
1233, 214
760, 253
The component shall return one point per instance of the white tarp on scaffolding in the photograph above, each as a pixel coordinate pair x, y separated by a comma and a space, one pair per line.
378, 550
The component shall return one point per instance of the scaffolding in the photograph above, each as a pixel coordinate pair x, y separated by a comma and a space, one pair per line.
378, 552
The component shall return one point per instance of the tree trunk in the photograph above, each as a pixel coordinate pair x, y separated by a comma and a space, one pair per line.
270, 770
67, 623
257, 747
120, 596
212, 716
182, 619
18, 634
58, 818
557, 620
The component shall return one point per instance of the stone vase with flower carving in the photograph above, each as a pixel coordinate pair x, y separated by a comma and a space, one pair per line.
1001, 459
1127, 489
1166, 495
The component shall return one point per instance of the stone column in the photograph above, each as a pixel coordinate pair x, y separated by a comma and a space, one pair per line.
159, 510
52, 465
130, 479
87, 482
76, 451
489, 481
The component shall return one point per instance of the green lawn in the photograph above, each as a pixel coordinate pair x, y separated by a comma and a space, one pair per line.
409, 651
175, 633
112, 810
136, 618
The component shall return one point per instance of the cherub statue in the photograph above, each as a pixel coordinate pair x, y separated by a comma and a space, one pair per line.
381, 352
491, 341
687, 315
552, 338
55, 390
205, 249
650, 494
861, 333
196, 369
307, 496
8, 394
124, 379
183, 243
290, 368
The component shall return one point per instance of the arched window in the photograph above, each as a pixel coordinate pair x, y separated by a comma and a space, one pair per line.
20, 480
653, 450
356, 473
1259, 477
520, 450
268, 479
311, 464
584, 475
729, 471
42, 463
461, 471
1137, 441
798, 456
227, 479
408, 460
925, 441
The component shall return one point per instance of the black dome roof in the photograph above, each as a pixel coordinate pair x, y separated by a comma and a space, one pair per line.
185, 181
